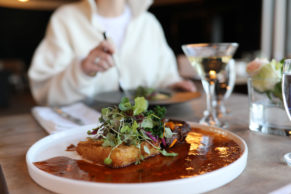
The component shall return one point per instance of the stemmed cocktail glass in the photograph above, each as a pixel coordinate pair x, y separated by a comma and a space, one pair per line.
210, 61
225, 88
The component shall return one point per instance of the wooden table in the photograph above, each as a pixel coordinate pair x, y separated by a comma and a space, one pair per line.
265, 171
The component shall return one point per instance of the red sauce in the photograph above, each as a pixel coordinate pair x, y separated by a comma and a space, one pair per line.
201, 153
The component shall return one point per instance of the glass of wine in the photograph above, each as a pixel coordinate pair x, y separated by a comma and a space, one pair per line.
210, 61
286, 93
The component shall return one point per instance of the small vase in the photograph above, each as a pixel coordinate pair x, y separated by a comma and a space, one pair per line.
266, 112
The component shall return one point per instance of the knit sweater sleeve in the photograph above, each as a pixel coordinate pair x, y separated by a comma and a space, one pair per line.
55, 74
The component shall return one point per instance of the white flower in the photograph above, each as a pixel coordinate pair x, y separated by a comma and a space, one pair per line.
254, 66
265, 75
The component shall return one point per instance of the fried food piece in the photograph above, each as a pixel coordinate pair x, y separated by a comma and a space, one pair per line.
121, 156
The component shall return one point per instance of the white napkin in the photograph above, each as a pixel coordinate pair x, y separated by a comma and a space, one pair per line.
53, 122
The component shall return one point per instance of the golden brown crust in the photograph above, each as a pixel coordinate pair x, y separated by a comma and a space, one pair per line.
121, 156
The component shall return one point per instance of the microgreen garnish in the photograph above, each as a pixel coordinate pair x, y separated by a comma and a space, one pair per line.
165, 153
146, 149
131, 125
107, 161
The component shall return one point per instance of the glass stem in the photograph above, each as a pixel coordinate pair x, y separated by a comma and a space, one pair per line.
210, 105
208, 99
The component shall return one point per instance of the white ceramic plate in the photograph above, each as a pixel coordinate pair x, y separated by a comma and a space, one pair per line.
56, 144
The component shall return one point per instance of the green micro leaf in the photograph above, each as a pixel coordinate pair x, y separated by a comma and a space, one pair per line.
147, 123
107, 161
125, 104
119, 141
165, 153
160, 111
141, 157
146, 149
134, 127
141, 105
168, 132
125, 129
137, 162
105, 113
109, 141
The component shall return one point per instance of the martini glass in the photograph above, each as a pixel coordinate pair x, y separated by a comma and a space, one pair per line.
224, 87
210, 61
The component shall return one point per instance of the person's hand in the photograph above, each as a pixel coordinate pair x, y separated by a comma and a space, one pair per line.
185, 85
99, 59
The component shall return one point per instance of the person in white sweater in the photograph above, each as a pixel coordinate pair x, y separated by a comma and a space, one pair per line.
74, 61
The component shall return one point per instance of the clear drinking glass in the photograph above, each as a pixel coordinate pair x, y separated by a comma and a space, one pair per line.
286, 93
286, 86
210, 61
